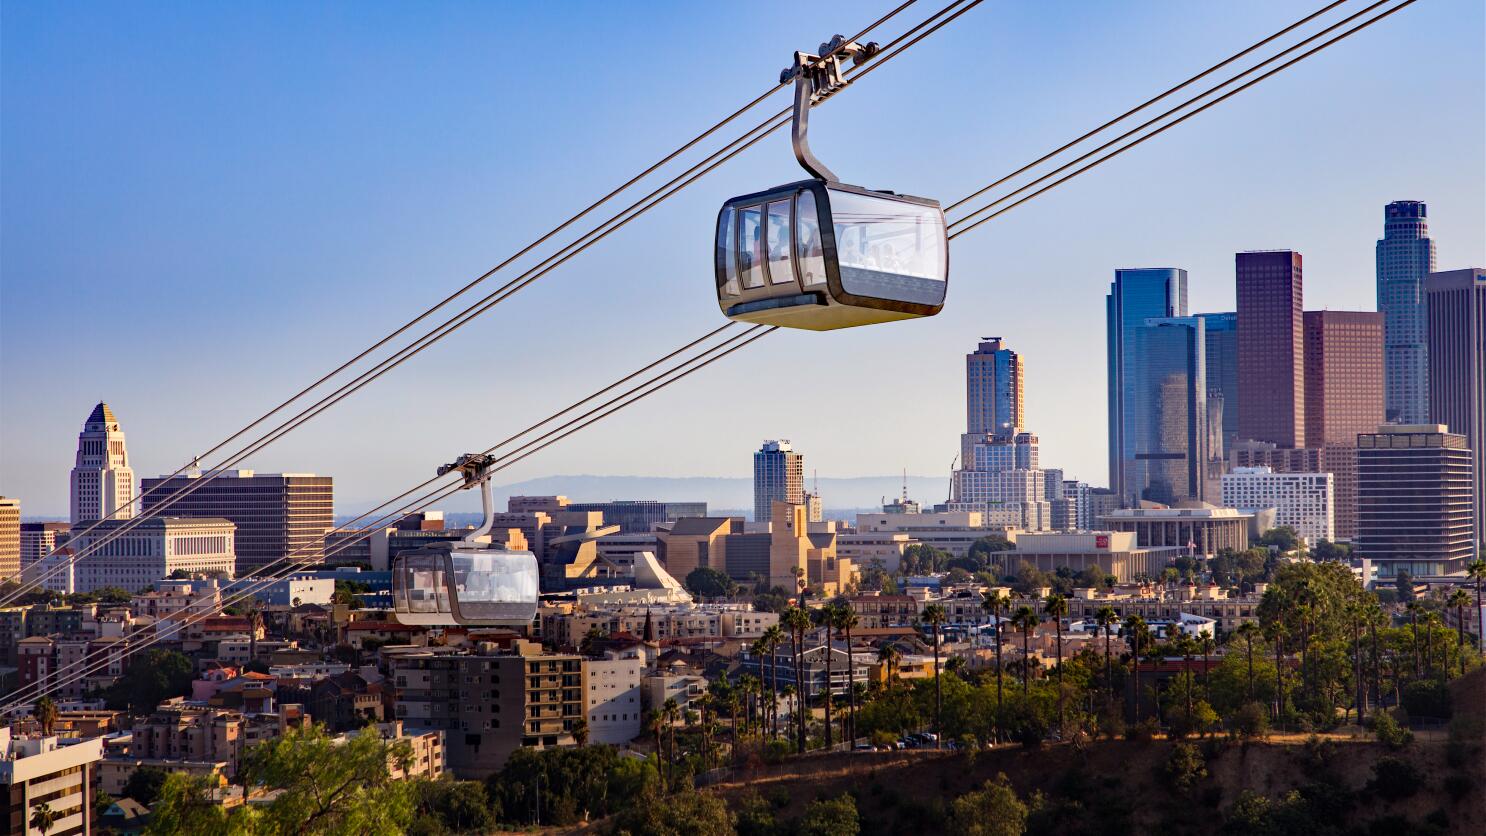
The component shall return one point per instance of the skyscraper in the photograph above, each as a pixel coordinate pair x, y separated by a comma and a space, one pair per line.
277, 514
778, 476
993, 389
1414, 500
1343, 376
102, 482
1165, 412
1405, 255
1135, 296
1222, 374
1456, 304
10, 537
1271, 347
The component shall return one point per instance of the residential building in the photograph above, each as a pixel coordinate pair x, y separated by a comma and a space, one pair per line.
102, 482
641, 516
1271, 347
877, 611
1137, 295
1203, 531
36, 771
1414, 504
426, 745
612, 697
1405, 256
1303, 501
1001, 473
1457, 367
1340, 460
778, 476
491, 702
277, 514
152, 549
1343, 376
10, 537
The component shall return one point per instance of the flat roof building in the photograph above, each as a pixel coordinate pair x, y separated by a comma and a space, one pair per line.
277, 514
1303, 501
1116, 553
1205, 531
1414, 504
1457, 366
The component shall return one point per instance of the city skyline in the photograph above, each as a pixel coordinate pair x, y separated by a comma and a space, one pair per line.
1040, 304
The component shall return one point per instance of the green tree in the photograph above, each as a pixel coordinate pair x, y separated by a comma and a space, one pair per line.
1185, 767
995, 603
1282, 537
159, 675
830, 817
46, 714
144, 784
1055, 607
185, 806
689, 813
1025, 619
331, 787
846, 620
797, 620
1136, 632
456, 806
1327, 550
1459, 600
1107, 619
710, 583
993, 810
935, 616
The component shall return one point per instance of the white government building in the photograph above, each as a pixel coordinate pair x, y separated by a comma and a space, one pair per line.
1303, 501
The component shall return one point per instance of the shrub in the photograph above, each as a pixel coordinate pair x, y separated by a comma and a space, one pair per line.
1185, 766
993, 810
833, 817
1458, 786
1427, 698
1389, 732
1143, 731
1250, 721
1394, 779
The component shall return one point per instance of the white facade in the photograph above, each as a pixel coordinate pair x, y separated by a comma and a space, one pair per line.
1303, 501
40, 770
612, 704
102, 481
152, 550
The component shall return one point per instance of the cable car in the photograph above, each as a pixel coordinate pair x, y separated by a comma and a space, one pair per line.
820, 254
467, 582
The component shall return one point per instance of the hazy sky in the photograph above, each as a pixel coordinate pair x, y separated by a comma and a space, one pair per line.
206, 206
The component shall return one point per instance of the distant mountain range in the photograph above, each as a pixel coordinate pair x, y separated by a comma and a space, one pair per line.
723, 495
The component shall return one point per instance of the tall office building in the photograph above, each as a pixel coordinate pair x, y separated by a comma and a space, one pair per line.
277, 514
778, 476
1405, 255
102, 482
1136, 295
1163, 422
1303, 501
39, 539
994, 377
1343, 376
1414, 507
1271, 347
1456, 303
1221, 345
10, 537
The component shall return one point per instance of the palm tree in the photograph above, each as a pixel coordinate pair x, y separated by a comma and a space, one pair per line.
580, 732
655, 722
1476, 570
1135, 630
1025, 619
846, 619
42, 818
935, 616
1056, 606
889, 656
255, 625
1431, 622
824, 617
1414, 607
1107, 618
1248, 631
1459, 600
1206, 643
773, 637
750, 686
997, 602
46, 714
798, 621
791, 697
671, 712
1275, 633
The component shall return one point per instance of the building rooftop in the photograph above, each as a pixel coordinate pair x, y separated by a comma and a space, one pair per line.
102, 414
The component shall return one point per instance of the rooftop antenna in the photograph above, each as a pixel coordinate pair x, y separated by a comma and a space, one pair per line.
815, 481
905, 486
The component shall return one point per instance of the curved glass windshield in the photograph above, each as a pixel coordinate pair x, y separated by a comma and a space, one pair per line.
726, 251
751, 247
807, 239
495, 585
889, 249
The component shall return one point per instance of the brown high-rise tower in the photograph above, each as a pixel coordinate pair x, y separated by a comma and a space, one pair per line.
1271, 348
1343, 376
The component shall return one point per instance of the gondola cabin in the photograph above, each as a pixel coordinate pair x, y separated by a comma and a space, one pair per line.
462, 583
823, 255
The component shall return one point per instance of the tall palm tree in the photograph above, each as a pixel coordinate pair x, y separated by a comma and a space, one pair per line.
824, 617
670, 713
1275, 633
773, 637
1248, 631
1107, 618
1206, 644
1355, 612
255, 626
798, 622
1459, 599
889, 655
1055, 606
997, 602
1025, 619
1432, 622
1414, 607
935, 616
46, 715
847, 619
1135, 631
1476, 570
655, 722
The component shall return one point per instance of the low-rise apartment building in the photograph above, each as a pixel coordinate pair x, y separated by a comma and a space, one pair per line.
46, 770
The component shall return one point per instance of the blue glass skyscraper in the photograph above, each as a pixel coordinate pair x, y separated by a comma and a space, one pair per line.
1405, 255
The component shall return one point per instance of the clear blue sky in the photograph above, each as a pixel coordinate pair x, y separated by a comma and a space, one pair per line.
207, 205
